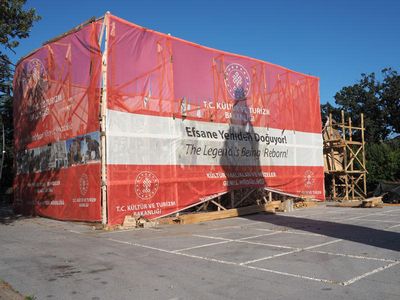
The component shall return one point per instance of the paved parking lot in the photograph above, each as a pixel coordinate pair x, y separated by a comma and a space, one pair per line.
314, 253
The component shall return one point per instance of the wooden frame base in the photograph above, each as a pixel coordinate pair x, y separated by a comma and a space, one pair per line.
217, 215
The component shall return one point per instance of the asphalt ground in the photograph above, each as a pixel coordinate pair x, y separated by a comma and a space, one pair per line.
313, 253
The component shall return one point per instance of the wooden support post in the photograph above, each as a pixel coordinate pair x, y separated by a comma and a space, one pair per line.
350, 145
363, 155
345, 156
346, 182
352, 157
350, 131
103, 112
344, 146
218, 204
243, 198
332, 165
334, 186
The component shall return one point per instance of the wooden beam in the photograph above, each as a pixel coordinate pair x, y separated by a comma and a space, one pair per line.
216, 215
218, 205
350, 203
75, 29
244, 198
363, 153
103, 125
372, 202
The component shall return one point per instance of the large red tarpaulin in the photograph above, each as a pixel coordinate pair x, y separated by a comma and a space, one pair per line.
56, 113
184, 123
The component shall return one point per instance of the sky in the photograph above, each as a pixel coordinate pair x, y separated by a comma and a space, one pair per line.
336, 41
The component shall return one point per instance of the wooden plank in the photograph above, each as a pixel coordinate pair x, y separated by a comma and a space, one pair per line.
274, 203
217, 215
305, 203
219, 206
372, 202
367, 203
350, 203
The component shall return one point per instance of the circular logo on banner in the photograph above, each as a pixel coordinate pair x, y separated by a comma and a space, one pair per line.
309, 179
84, 184
146, 185
237, 81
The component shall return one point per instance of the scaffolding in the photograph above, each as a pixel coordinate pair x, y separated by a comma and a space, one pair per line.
344, 159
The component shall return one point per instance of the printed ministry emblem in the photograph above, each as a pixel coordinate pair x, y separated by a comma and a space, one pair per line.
237, 81
146, 185
309, 179
84, 184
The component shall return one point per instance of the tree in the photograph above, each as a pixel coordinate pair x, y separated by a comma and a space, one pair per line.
390, 95
383, 162
379, 101
364, 97
327, 109
15, 24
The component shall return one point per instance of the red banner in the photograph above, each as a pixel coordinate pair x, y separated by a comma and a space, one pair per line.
184, 187
56, 128
186, 122
65, 194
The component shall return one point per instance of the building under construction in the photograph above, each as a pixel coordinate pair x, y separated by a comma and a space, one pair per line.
113, 119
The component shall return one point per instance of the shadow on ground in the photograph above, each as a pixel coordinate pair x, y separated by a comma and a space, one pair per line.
354, 233
7, 215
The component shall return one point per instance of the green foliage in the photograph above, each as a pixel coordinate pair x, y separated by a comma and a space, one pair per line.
390, 96
364, 97
383, 162
15, 24
379, 101
327, 109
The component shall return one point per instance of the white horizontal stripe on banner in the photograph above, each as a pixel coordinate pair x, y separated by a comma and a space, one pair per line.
136, 139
